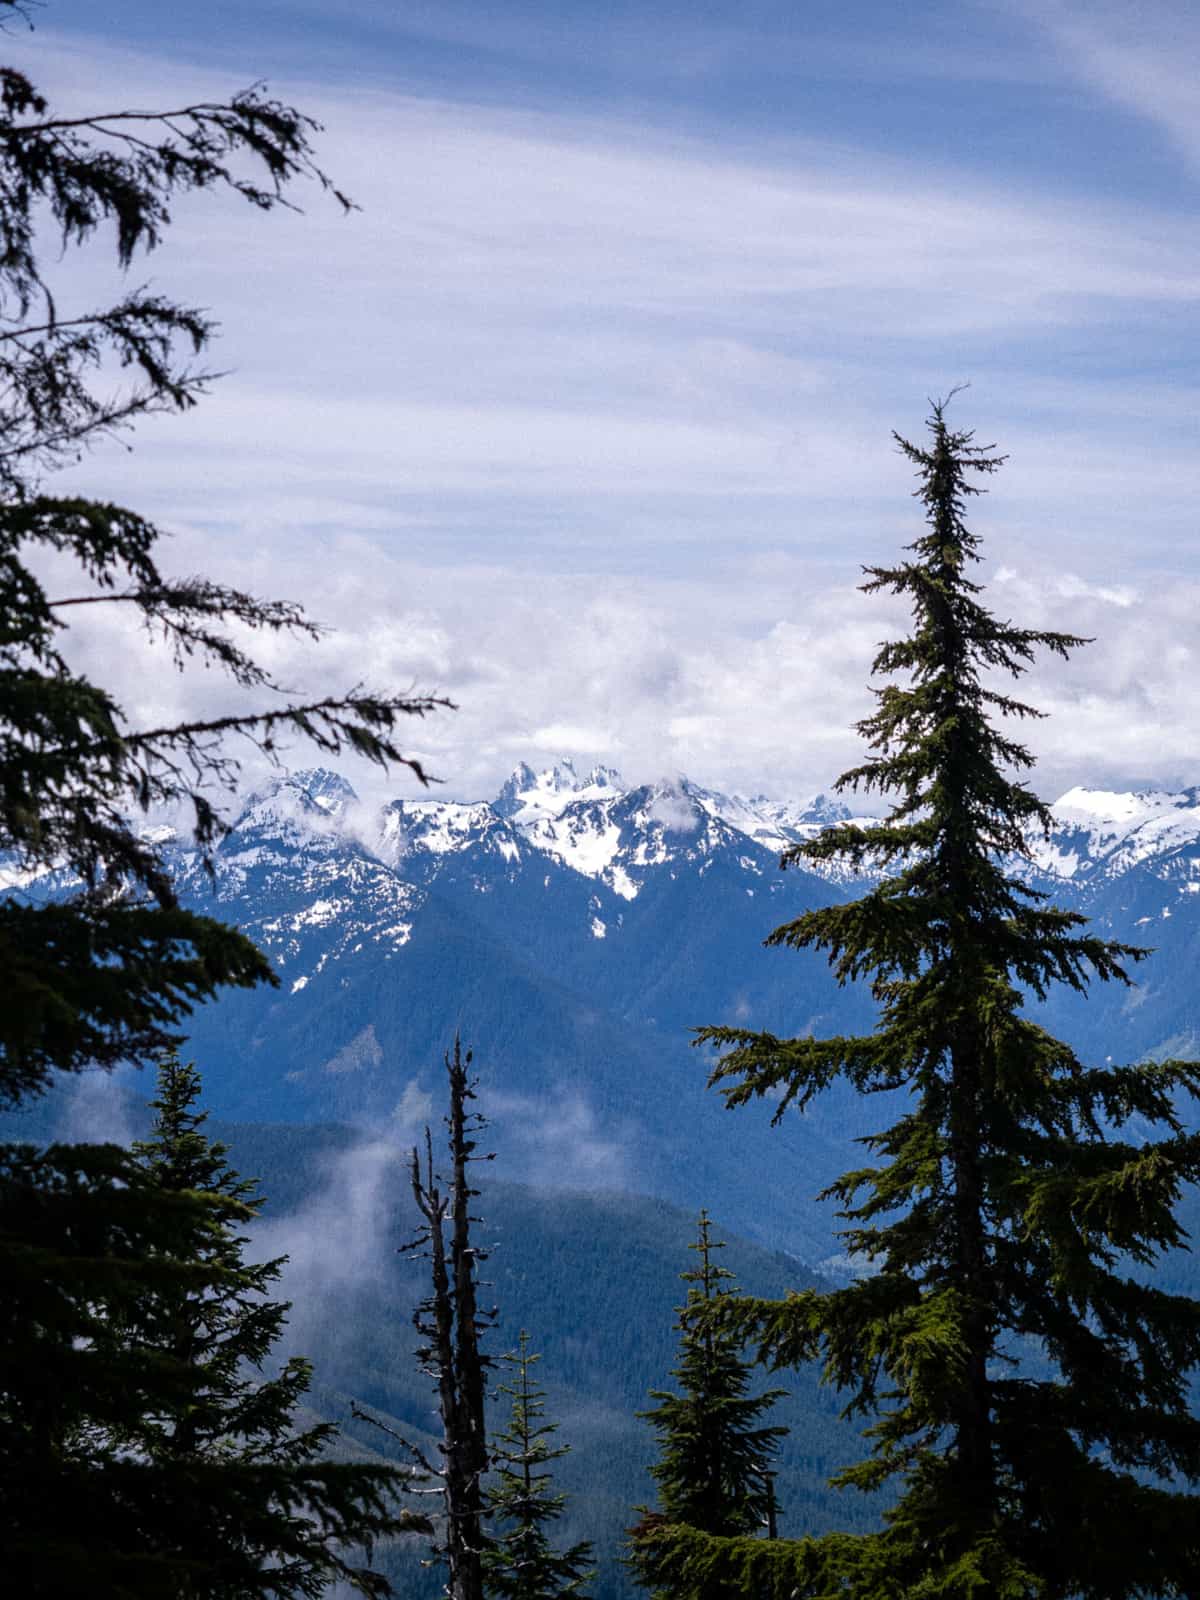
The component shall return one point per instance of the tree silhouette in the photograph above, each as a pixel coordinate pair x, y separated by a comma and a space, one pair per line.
1027, 1393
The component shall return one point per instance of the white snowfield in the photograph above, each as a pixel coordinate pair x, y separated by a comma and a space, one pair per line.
1097, 830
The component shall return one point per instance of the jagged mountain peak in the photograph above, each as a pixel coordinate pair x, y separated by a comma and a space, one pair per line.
528, 794
326, 789
295, 803
443, 827
824, 809
774, 824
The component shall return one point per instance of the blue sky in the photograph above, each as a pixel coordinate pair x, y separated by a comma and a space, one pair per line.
585, 417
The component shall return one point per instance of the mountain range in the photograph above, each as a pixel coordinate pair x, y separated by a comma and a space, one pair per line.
574, 929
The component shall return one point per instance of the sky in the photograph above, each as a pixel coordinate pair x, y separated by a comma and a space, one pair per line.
584, 418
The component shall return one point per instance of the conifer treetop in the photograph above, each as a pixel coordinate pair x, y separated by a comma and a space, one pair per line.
520, 1562
1001, 1209
713, 1474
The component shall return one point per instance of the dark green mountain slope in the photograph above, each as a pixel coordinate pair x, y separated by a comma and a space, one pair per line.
594, 1278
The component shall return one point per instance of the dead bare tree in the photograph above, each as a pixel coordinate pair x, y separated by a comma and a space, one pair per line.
450, 1323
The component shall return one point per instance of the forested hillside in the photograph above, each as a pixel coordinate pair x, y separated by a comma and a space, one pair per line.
593, 1278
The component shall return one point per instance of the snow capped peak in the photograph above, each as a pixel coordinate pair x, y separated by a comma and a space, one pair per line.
775, 824
285, 805
1114, 813
442, 828
1094, 829
529, 795
326, 789
823, 809
675, 806
521, 781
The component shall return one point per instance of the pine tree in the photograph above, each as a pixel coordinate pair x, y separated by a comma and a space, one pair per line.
102, 969
267, 1514
100, 962
520, 1563
713, 1472
152, 1456
1028, 1394
85, 1249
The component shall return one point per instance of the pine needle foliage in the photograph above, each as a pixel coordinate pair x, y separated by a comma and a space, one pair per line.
104, 972
85, 1249
267, 1513
715, 1457
143, 1450
1026, 1395
520, 1562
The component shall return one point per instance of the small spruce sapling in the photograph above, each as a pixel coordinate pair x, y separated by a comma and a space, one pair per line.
714, 1468
520, 1562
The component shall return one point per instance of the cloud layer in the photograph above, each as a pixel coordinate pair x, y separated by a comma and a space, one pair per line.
585, 420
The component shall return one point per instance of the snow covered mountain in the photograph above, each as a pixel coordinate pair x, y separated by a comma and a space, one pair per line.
575, 928
1098, 835
598, 828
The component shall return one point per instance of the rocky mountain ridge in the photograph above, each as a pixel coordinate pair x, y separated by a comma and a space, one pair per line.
595, 826
575, 930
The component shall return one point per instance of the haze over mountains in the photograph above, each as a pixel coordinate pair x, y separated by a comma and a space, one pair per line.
574, 930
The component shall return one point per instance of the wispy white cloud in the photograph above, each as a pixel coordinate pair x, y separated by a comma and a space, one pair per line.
1145, 58
343, 1236
561, 1141
97, 1109
587, 425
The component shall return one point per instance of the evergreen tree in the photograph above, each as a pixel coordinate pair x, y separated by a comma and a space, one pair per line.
104, 972
521, 1563
1028, 1393
267, 1515
713, 1472
100, 963
151, 1456
85, 1248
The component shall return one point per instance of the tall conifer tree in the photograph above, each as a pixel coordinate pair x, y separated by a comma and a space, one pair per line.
146, 1454
266, 1513
520, 1562
713, 1472
1009, 1203
85, 1249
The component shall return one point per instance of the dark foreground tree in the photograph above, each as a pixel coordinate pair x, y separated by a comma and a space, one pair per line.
714, 1468
450, 1323
1011, 1201
99, 963
261, 1511
84, 1249
146, 1453
520, 1562
105, 973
